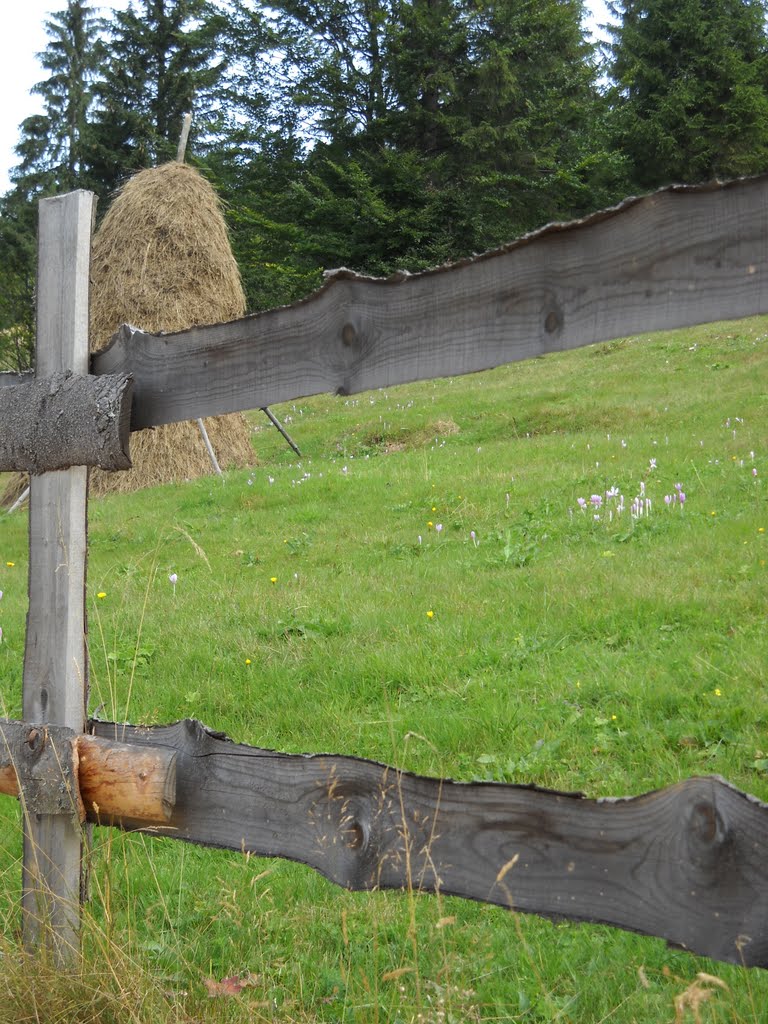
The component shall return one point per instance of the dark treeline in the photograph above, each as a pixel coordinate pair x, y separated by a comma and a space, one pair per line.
384, 134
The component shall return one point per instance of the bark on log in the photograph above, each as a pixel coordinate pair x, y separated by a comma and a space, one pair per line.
66, 420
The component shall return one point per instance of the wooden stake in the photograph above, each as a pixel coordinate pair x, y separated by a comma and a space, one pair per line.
184, 138
19, 501
209, 447
55, 662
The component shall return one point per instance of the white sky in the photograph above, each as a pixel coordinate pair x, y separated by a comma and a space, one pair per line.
23, 36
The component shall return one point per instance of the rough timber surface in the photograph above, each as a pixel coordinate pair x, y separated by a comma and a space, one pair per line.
686, 863
682, 256
55, 662
65, 420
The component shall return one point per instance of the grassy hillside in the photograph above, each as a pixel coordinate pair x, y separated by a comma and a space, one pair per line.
425, 588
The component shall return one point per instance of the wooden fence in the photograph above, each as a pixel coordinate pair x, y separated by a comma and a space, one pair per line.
686, 863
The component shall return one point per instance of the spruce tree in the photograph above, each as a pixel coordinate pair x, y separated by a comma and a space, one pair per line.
691, 88
55, 147
161, 65
419, 131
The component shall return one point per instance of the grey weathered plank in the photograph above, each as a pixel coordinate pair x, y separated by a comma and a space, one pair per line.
682, 256
55, 663
9, 379
66, 420
686, 863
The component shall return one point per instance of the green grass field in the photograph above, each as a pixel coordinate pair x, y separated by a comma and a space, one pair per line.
318, 607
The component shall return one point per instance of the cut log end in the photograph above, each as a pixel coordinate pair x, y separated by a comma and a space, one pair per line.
120, 781
117, 781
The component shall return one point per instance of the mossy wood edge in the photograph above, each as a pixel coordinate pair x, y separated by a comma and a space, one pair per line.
682, 256
685, 863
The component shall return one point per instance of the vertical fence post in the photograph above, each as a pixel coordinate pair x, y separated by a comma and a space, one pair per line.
55, 686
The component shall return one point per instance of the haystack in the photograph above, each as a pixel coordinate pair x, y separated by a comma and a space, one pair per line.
161, 260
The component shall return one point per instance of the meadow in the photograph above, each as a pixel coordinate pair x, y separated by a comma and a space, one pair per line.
552, 573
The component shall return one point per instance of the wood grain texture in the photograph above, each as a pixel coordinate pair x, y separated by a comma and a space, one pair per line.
118, 781
66, 420
683, 256
55, 663
104, 781
685, 863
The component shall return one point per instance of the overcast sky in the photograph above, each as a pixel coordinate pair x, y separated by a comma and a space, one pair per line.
24, 36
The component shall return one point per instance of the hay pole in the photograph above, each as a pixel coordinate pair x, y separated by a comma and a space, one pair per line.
186, 125
184, 138
209, 447
276, 423
20, 500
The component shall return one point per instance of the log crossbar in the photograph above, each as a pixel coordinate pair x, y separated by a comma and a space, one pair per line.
66, 420
96, 779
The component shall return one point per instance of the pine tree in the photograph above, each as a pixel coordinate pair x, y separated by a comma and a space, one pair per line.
691, 88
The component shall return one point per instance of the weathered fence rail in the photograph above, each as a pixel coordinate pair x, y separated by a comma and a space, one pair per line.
678, 257
685, 863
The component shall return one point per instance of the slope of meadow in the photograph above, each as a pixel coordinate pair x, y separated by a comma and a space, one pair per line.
456, 578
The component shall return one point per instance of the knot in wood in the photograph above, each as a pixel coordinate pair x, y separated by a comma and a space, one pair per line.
348, 334
709, 837
344, 828
35, 740
553, 322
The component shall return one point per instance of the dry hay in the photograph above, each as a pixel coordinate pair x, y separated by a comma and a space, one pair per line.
161, 260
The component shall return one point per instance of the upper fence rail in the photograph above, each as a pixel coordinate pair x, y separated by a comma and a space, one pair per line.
679, 257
